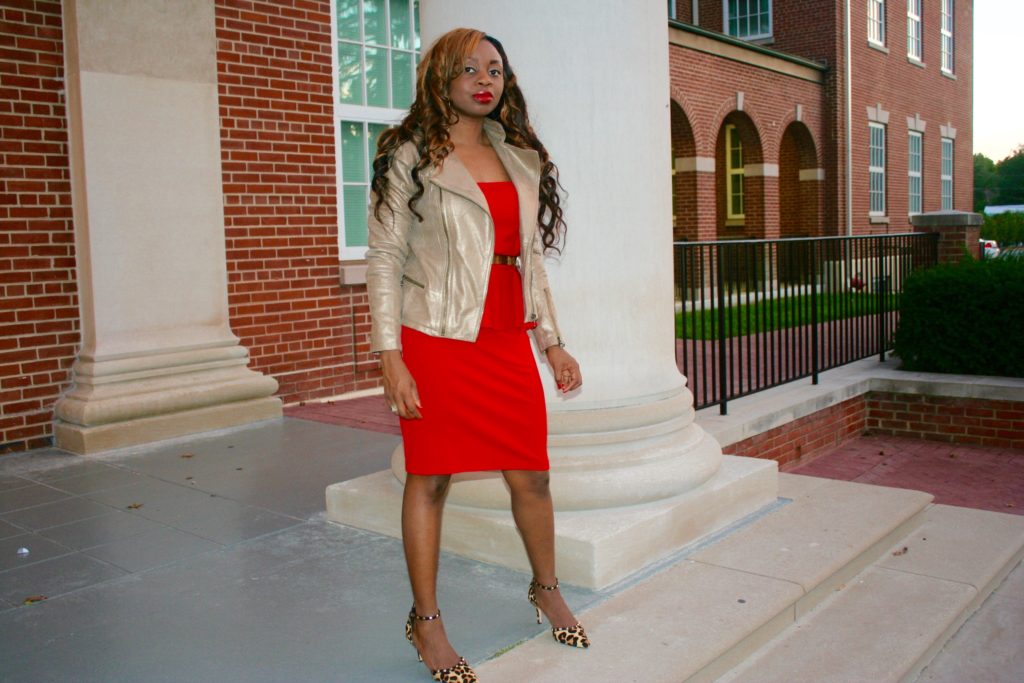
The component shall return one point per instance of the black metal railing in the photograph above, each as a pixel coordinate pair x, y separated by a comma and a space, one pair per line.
753, 314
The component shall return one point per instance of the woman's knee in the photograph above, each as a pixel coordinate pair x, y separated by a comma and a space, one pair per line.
433, 486
529, 483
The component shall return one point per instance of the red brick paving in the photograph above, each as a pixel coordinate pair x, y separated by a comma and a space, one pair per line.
369, 412
982, 477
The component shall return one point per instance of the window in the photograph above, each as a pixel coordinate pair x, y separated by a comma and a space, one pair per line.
876, 169
671, 9
876, 21
914, 29
914, 173
748, 19
947, 174
376, 48
947, 36
733, 174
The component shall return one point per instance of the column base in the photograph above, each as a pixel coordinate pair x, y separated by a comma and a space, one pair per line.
87, 440
594, 548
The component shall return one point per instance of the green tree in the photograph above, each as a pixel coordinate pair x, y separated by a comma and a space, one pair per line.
986, 182
1011, 178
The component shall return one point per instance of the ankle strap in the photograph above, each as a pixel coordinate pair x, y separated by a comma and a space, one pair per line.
413, 614
540, 585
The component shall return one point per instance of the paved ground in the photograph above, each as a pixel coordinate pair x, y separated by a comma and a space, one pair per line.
209, 559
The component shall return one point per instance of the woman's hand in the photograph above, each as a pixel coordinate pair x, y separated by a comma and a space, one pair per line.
399, 386
566, 369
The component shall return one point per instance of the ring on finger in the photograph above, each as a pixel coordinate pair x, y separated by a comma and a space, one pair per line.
394, 409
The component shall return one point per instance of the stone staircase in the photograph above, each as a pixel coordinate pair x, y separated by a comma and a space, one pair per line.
846, 582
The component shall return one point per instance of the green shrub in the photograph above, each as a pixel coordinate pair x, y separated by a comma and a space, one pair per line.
965, 319
1005, 228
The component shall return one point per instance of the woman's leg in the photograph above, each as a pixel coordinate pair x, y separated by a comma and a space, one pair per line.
535, 518
422, 508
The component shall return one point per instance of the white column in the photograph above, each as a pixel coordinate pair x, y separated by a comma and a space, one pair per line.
158, 358
633, 477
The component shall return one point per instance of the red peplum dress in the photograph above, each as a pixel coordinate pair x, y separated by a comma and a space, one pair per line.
482, 402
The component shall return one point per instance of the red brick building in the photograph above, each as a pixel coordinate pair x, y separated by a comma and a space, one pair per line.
785, 123
766, 143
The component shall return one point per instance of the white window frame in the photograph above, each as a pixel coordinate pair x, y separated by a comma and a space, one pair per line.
876, 172
363, 113
734, 175
946, 174
751, 36
876, 22
948, 46
915, 187
914, 35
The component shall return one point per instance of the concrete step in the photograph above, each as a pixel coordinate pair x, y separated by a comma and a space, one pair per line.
716, 607
891, 620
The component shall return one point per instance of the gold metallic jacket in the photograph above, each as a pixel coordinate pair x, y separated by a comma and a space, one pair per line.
432, 275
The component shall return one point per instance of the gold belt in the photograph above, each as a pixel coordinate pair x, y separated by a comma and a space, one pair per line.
504, 260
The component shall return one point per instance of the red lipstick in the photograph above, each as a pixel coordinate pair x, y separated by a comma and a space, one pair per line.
483, 97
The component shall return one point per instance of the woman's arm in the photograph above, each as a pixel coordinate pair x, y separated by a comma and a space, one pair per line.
385, 263
547, 335
388, 250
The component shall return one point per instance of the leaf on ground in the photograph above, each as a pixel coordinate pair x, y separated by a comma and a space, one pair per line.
189, 478
188, 455
34, 599
903, 551
133, 506
238, 468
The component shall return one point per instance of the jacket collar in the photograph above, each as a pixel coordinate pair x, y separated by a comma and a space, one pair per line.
522, 166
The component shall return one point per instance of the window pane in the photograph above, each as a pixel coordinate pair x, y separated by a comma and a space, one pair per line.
348, 19
353, 157
374, 22
350, 74
401, 79
401, 24
376, 77
375, 130
355, 202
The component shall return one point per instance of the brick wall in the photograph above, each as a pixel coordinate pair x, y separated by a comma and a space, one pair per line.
806, 437
281, 212
39, 315
905, 89
938, 418
704, 91
934, 418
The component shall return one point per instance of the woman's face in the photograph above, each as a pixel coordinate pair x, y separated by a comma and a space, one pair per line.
476, 91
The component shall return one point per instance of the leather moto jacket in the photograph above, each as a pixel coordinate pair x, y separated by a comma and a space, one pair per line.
432, 275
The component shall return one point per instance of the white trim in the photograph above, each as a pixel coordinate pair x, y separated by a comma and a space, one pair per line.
947, 55
947, 131
916, 123
739, 100
878, 115
695, 164
876, 22
799, 112
812, 174
914, 19
766, 170
876, 171
913, 175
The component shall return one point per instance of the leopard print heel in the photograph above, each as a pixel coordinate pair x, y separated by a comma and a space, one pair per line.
460, 672
573, 636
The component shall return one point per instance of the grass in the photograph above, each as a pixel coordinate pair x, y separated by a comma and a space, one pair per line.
776, 314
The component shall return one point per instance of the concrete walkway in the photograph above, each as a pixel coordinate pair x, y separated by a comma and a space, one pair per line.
208, 559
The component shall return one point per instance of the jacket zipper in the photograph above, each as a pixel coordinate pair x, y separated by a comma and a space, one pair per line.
406, 278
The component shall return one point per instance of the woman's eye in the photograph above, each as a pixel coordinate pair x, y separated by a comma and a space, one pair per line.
495, 73
470, 70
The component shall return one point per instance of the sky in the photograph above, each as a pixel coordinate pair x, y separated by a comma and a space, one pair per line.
998, 69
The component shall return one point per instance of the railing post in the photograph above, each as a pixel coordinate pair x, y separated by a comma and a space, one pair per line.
813, 255
723, 395
880, 246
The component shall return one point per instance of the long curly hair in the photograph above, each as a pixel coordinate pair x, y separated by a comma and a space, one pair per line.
431, 115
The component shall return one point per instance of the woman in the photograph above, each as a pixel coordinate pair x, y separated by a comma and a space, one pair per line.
463, 191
